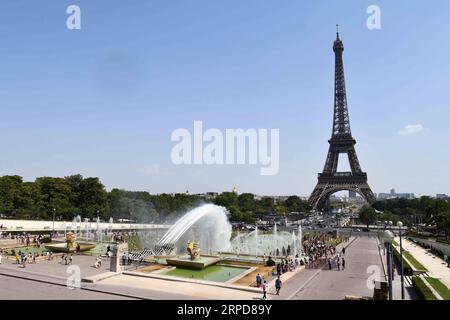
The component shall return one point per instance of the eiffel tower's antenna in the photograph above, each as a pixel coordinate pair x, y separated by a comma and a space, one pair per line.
337, 31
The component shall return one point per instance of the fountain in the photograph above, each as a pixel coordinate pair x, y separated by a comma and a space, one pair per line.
97, 228
73, 225
256, 242
294, 243
193, 260
86, 228
70, 245
110, 226
300, 239
78, 226
206, 217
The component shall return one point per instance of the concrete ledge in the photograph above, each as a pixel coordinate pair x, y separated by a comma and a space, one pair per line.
204, 282
100, 277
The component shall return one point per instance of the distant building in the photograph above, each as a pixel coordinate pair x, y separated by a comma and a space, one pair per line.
208, 195
393, 194
443, 196
279, 199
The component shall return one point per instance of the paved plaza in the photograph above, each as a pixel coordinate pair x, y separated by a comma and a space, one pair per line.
47, 280
14, 288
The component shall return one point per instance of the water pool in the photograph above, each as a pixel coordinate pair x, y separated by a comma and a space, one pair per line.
211, 273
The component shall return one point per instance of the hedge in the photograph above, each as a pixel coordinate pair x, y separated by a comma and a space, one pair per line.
424, 292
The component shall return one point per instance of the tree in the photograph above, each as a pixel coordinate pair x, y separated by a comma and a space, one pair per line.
226, 199
280, 209
388, 216
54, 195
92, 198
10, 187
442, 221
75, 182
235, 213
295, 204
367, 215
246, 201
119, 204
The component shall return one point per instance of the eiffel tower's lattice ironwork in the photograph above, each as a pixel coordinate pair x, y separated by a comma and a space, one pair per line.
331, 181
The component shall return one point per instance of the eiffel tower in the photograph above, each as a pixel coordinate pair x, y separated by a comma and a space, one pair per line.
331, 181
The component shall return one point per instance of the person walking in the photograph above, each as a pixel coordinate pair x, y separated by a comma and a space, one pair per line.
329, 263
264, 289
258, 280
343, 263
343, 251
278, 284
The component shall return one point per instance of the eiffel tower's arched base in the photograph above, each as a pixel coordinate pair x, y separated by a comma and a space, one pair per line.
324, 189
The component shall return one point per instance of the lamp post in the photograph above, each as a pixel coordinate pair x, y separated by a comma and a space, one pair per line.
388, 237
400, 225
385, 228
53, 232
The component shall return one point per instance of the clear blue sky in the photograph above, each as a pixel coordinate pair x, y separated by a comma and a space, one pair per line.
103, 100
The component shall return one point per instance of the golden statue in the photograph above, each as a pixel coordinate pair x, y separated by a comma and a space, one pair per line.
70, 241
193, 250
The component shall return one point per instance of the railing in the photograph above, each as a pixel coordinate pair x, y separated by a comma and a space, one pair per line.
342, 174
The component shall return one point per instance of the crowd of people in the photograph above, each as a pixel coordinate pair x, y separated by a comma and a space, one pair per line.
23, 258
317, 251
66, 259
122, 235
24, 239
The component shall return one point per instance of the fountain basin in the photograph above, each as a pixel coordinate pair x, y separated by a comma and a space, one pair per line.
216, 273
62, 247
200, 263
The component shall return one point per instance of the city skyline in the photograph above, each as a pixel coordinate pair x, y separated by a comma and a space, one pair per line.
103, 101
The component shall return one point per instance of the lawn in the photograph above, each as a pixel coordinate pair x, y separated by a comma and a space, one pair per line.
406, 265
441, 288
422, 288
416, 264
27, 250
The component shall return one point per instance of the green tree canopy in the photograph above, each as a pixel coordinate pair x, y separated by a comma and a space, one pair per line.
367, 215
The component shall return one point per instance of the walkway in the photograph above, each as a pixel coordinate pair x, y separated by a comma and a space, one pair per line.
437, 268
324, 284
14, 288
